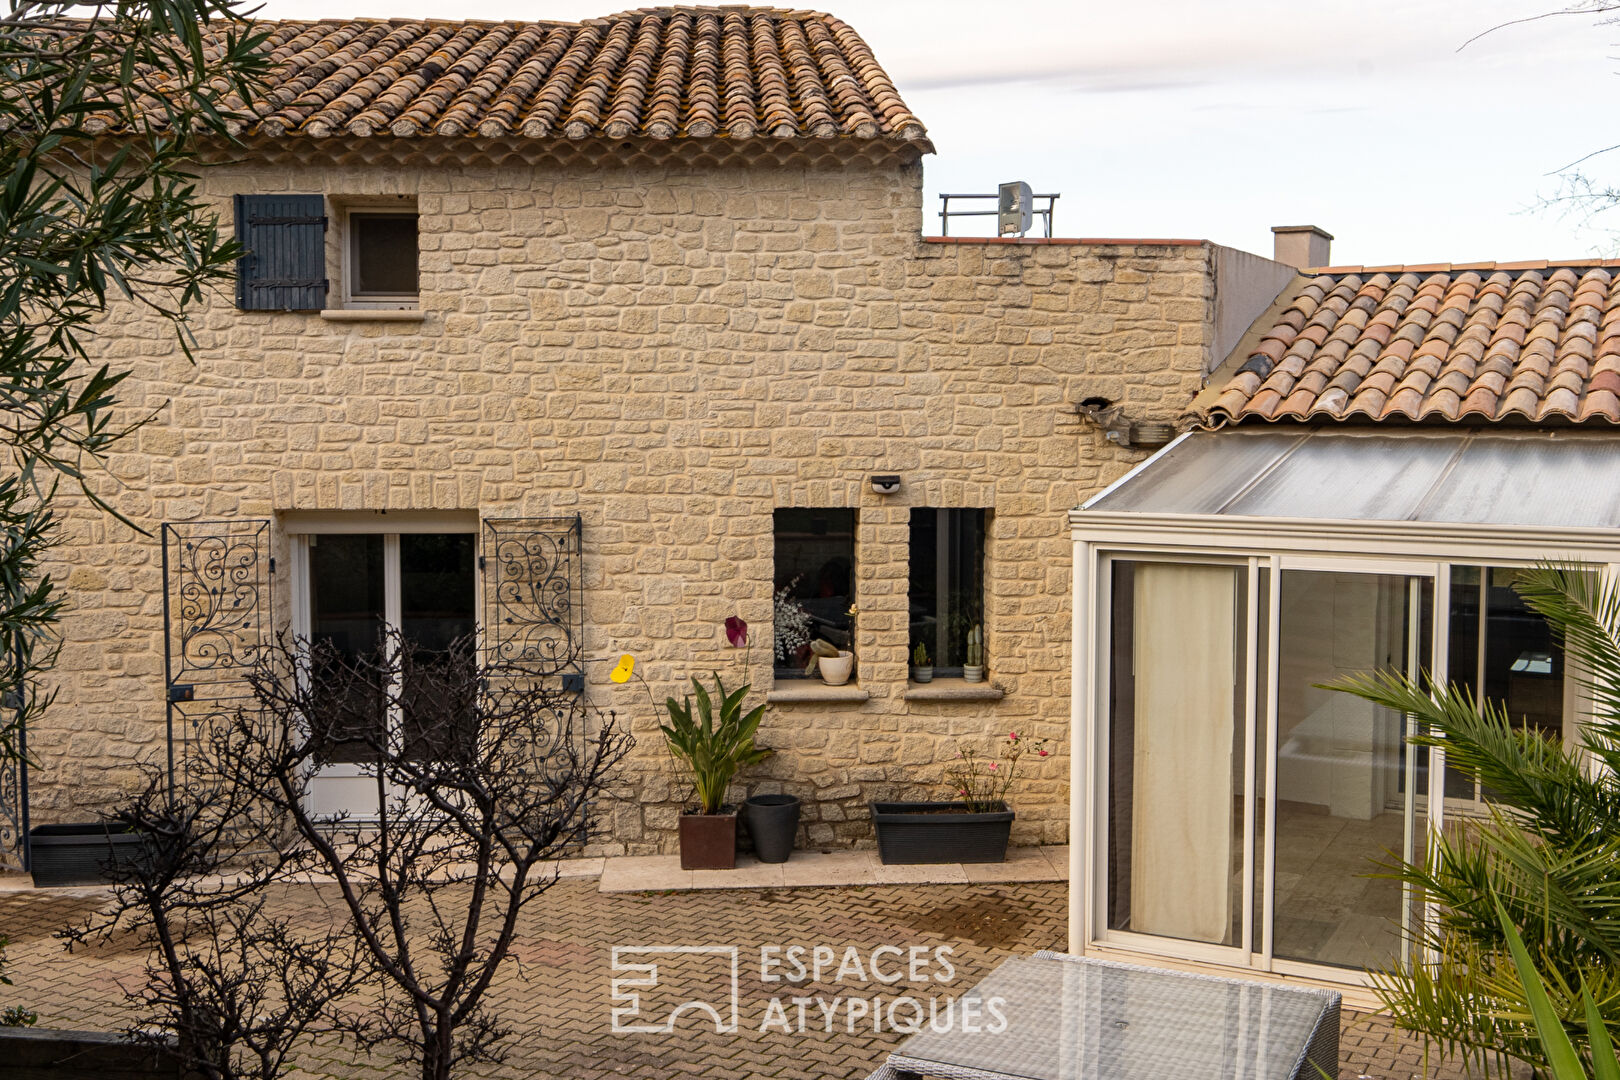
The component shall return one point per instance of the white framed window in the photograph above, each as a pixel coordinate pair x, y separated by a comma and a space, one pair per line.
380, 257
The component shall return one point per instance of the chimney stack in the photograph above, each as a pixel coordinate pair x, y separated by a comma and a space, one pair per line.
1302, 246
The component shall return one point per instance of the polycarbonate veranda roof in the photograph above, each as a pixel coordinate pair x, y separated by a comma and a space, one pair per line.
1530, 479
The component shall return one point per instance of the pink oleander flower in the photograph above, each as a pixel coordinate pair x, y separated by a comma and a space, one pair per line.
992, 765
736, 632
1040, 753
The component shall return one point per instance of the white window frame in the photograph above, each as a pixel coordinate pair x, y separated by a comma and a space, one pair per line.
350, 237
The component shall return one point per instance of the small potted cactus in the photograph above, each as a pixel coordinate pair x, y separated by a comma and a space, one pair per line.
973, 664
922, 665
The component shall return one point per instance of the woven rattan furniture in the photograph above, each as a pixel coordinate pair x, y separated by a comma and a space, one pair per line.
1068, 1018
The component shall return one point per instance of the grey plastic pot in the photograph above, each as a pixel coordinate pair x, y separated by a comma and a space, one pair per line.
773, 822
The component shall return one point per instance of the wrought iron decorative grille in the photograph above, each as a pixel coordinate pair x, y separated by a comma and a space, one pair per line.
14, 795
533, 605
218, 607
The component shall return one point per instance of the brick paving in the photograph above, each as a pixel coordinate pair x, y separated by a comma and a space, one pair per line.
556, 995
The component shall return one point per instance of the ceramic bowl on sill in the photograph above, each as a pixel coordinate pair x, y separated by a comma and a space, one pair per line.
835, 670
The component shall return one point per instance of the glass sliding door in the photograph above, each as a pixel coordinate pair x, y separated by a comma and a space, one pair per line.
1503, 652
1344, 799
1176, 742
1243, 810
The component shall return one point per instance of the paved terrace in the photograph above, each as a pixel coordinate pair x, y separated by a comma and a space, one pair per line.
557, 995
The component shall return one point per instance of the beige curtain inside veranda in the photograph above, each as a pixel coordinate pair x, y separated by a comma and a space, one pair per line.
1181, 845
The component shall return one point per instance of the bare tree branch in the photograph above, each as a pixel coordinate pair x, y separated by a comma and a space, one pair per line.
1591, 9
480, 780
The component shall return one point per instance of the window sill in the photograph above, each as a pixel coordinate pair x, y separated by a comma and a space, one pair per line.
787, 694
415, 315
953, 690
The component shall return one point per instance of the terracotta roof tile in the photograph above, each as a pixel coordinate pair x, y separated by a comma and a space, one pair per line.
654, 73
1493, 341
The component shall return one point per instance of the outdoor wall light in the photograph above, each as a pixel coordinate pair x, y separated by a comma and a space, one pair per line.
886, 485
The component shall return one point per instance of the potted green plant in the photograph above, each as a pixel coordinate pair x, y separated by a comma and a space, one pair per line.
922, 665
973, 826
973, 663
712, 746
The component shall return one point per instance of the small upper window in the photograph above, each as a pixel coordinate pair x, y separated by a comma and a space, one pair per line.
382, 258
947, 586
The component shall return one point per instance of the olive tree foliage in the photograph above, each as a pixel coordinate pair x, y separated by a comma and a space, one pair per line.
103, 111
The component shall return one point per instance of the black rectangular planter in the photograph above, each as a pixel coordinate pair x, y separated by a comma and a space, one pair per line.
79, 854
44, 1054
940, 832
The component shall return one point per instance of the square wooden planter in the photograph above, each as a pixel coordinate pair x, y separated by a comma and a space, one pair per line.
709, 841
940, 832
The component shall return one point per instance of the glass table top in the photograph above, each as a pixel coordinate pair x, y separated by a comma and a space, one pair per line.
1051, 1018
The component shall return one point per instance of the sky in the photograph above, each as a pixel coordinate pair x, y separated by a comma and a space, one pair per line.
1379, 121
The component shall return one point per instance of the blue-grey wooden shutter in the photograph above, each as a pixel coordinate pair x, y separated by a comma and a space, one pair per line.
284, 266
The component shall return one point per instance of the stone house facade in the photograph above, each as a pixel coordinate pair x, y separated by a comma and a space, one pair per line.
672, 334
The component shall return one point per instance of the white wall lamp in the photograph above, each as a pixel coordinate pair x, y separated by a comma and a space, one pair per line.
886, 484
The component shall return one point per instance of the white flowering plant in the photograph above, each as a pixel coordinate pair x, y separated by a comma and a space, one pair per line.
791, 623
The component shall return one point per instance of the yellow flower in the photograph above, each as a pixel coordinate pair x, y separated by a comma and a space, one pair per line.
623, 669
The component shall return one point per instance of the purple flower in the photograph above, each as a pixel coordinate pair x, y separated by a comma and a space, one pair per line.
736, 632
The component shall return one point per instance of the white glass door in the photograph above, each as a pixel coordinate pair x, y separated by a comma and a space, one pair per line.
1176, 801
355, 588
1343, 798
1242, 810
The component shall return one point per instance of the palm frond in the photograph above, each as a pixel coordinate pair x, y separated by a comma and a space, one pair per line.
1536, 882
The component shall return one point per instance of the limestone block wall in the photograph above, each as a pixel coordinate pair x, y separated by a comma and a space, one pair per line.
670, 351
